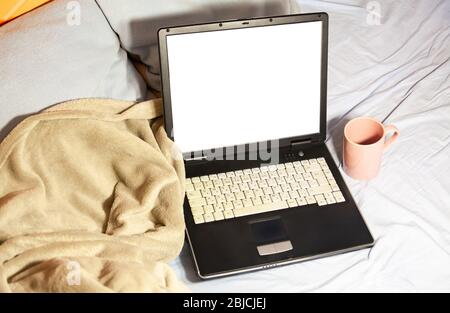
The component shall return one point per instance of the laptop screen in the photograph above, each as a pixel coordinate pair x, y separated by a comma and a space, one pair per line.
242, 86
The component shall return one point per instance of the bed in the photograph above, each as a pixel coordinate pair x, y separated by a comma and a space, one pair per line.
399, 72
388, 59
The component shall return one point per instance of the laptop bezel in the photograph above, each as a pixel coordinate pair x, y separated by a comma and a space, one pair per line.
239, 24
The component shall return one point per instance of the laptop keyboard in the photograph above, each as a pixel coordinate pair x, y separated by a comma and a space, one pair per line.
263, 189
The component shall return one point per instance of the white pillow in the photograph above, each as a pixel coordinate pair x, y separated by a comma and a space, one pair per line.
137, 21
44, 60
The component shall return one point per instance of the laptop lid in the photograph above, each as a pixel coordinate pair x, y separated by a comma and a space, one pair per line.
236, 83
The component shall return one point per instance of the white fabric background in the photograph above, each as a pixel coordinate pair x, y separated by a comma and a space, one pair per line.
398, 72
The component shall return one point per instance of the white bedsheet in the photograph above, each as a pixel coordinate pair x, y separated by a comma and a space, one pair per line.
398, 72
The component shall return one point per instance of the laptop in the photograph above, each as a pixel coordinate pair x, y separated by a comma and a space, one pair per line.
245, 101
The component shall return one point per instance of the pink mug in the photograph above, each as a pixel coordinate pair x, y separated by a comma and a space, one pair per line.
364, 144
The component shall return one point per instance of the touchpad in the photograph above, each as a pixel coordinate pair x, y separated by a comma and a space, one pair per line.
268, 231
270, 236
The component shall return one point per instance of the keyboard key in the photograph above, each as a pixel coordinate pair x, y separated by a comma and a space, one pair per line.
258, 193
194, 194
209, 217
208, 208
319, 190
257, 201
204, 178
311, 200
338, 196
228, 214
291, 171
218, 207
285, 196
276, 198
221, 199
235, 188
294, 194
247, 172
262, 184
261, 208
198, 219
218, 216
225, 190
295, 186
267, 190
230, 197
290, 179
239, 195
249, 194
304, 184
321, 200
292, 203
198, 186
245, 178
211, 200
253, 185
266, 199
197, 202
277, 189
236, 180
301, 201
303, 192
189, 187
228, 206
238, 204
244, 187
330, 200
206, 193
197, 210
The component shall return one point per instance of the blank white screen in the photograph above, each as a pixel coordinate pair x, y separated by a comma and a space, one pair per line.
242, 86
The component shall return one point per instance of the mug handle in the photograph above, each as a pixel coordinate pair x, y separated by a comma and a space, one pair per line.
391, 128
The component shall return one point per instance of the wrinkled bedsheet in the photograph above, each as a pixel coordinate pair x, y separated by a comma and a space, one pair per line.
393, 66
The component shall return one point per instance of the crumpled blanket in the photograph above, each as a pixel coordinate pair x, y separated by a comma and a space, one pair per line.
91, 197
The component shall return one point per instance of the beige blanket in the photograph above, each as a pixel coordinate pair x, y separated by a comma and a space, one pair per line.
90, 200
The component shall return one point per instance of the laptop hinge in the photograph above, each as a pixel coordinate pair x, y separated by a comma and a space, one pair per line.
297, 143
192, 157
